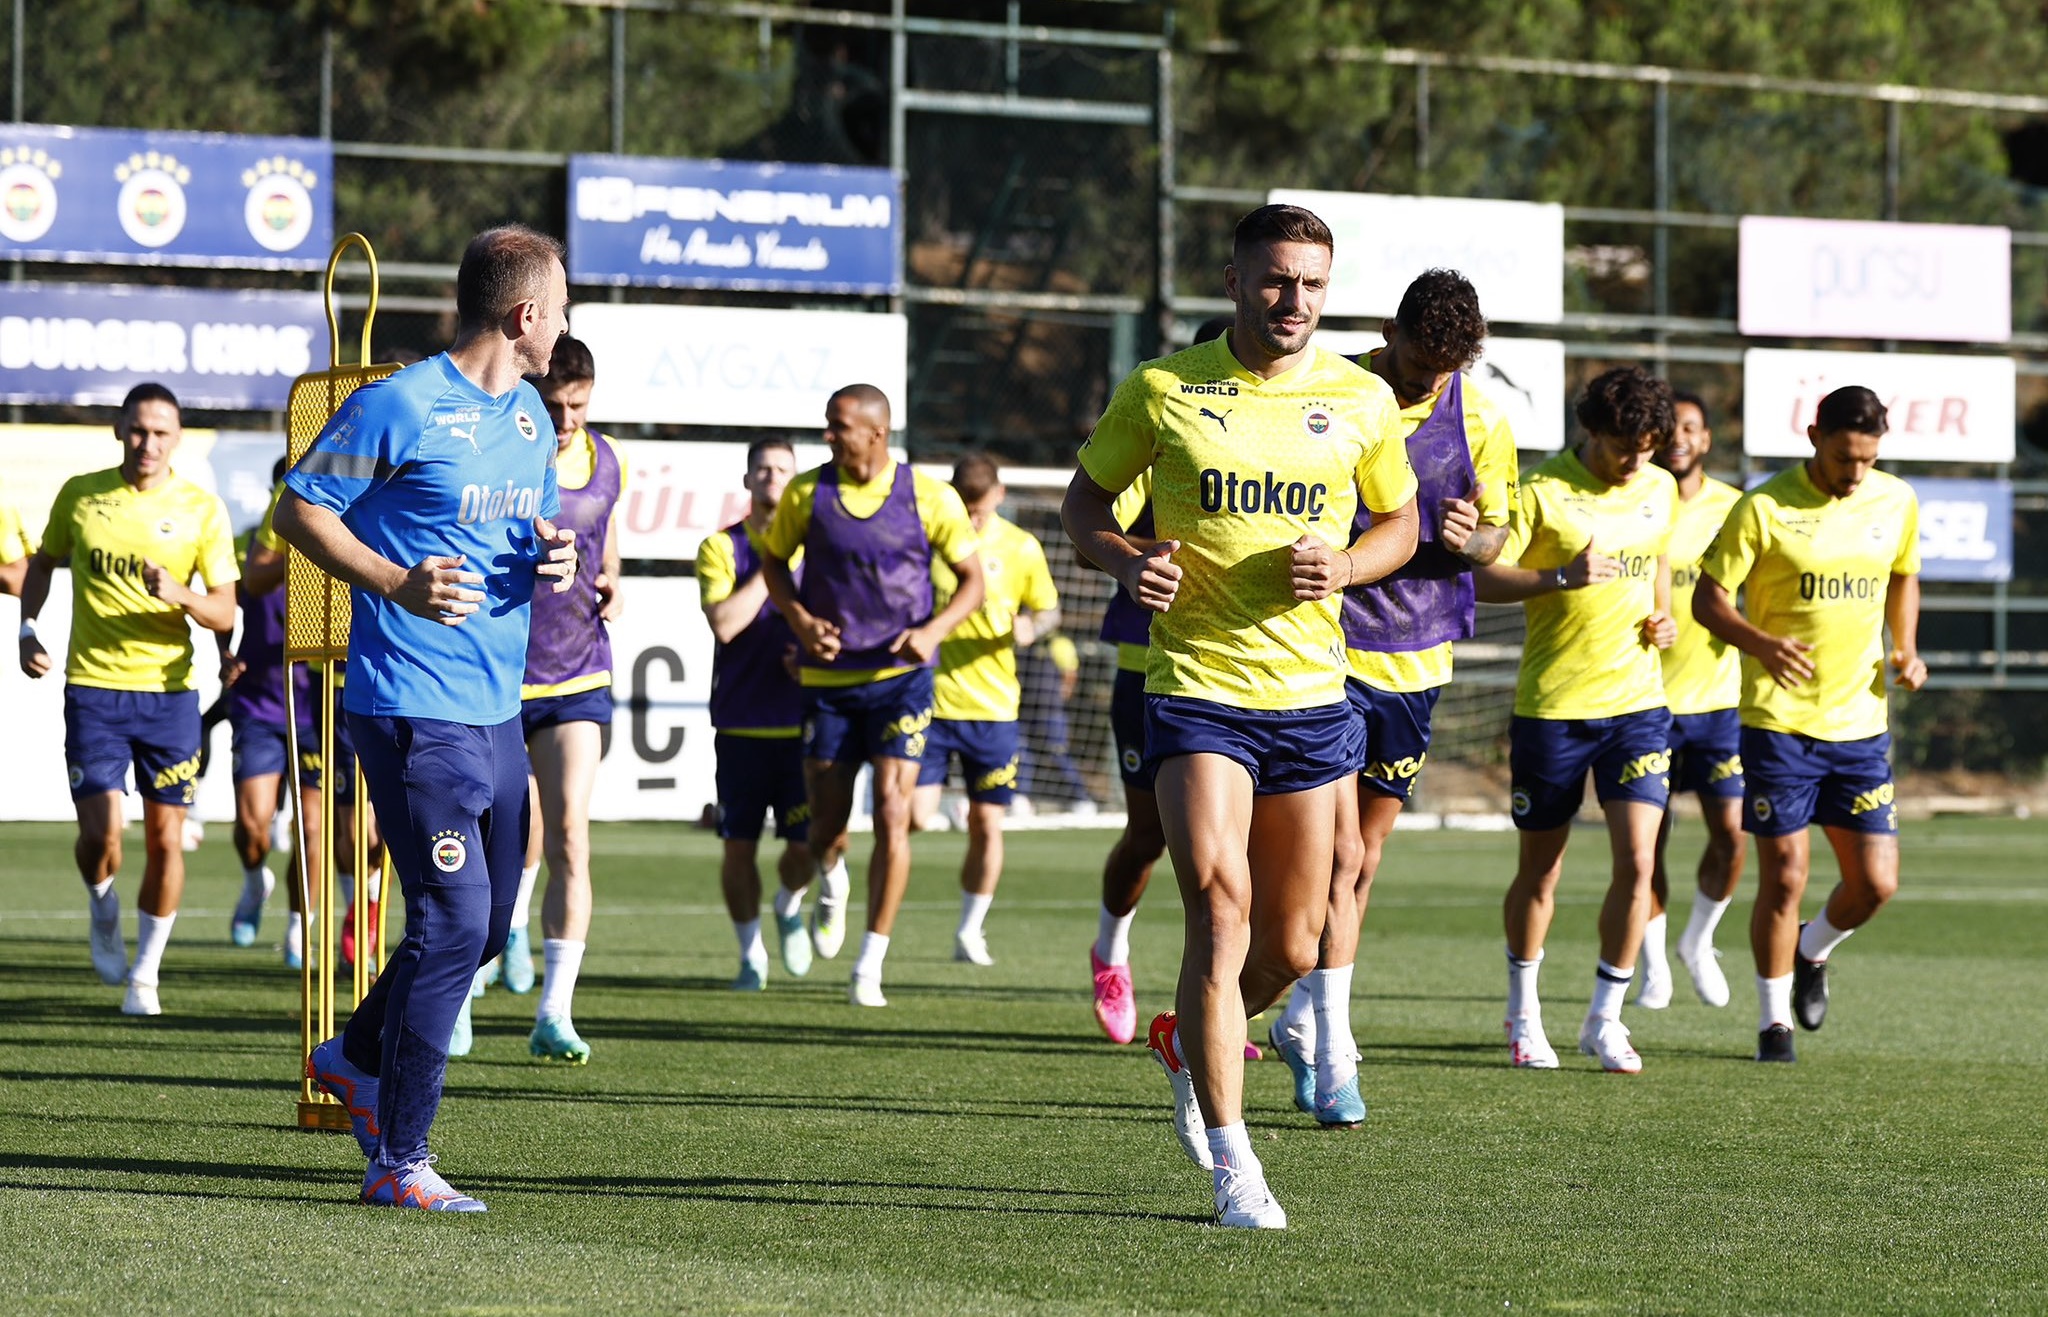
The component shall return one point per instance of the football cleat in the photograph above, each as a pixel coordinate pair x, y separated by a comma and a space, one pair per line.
796, 944
1116, 1009
972, 948
828, 916
329, 1069
416, 1185
555, 1039
865, 992
751, 978
248, 914
1775, 1044
1303, 1069
464, 1036
1243, 1202
1809, 990
141, 1000
1607, 1040
518, 961
1342, 1109
1528, 1047
1187, 1114
109, 950
1704, 965
1655, 992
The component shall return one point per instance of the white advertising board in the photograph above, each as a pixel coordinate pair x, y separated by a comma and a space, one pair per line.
722, 365
1512, 251
1812, 278
1941, 408
679, 491
1524, 375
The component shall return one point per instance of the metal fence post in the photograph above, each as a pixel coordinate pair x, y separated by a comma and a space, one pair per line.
1168, 245
619, 80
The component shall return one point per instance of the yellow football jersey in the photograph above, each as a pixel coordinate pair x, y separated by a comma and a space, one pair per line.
1817, 569
1702, 672
939, 509
1241, 469
122, 637
15, 541
977, 676
576, 464
1584, 656
1495, 467
1129, 657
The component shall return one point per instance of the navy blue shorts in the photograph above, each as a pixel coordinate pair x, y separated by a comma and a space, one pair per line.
1127, 728
260, 750
987, 751
1706, 754
591, 706
1629, 755
885, 719
106, 731
1396, 727
756, 774
1792, 781
1285, 750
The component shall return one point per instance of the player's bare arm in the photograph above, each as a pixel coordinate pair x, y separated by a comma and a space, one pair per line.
1902, 619
1781, 656
737, 611
1499, 584
214, 610
1148, 575
611, 604
918, 644
1460, 531
819, 637
1660, 629
560, 560
437, 588
35, 592
263, 570
12, 575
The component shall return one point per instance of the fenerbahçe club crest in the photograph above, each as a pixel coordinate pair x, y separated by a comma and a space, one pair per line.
449, 851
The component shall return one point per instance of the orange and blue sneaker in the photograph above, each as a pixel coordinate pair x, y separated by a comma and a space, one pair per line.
416, 1185
331, 1071
1187, 1115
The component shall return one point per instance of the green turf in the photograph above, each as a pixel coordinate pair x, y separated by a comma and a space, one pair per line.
978, 1148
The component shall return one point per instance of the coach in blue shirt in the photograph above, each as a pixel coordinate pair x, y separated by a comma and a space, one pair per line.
430, 494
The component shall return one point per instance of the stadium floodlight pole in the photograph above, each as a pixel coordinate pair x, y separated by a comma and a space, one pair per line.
316, 632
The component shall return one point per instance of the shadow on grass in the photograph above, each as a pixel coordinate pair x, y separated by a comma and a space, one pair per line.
62, 1011
769, 1033
1035, 1107
125, 1169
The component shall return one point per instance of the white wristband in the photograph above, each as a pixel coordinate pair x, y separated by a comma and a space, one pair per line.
28, 628
1560, 580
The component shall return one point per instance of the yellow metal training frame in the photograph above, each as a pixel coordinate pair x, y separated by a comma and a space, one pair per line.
316, 633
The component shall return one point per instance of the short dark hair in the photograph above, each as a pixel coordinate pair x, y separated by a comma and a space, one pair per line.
866, 395
975, 475
1278, 223
760, 446
1852, 409
151, 391
572, 362
501, 268
1628, 402
1688, 396
1213, 327
1439, 315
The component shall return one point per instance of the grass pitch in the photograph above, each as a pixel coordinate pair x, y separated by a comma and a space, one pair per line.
978, 1148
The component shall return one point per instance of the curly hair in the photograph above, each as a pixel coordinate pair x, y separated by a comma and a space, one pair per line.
1440, 320
1628, 402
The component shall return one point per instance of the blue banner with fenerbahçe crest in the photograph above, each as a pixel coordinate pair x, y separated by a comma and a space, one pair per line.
733, 224
161, 198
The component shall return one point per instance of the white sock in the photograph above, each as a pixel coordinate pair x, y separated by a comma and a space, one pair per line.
1298, 1018
105, 902
522, 904
1774, 1002
152, 934
295, 933
873, 948
834, 882
1655, 962
1819, 937
788, 904
973, 910
1706, 916
1113, 937
1522, 1002
562, 960
1231, 1147
1610, 985
752, 949
1336, 1050
252, 879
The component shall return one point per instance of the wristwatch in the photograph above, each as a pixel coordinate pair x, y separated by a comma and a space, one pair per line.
1559, 578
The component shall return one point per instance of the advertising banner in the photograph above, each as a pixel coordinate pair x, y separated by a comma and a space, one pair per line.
161, 198
1942, 408
724, 365
88, 344
733, 224
1965, 529
1512, 251
1813, 278
1524, 375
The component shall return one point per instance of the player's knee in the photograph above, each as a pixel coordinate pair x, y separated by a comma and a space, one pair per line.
1882, 886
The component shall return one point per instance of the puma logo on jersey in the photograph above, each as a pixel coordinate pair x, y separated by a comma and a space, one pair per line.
1221, 423
469, 436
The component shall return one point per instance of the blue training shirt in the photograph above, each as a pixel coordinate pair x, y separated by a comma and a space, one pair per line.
424, 463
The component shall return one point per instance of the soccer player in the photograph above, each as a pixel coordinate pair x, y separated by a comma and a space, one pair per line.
1828, 554
757, 712
976, 692
134, 537
1702, 684
1398, 633
448, 466
16, 544
1586, 556
1128, 869
870, 529
1261, 448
